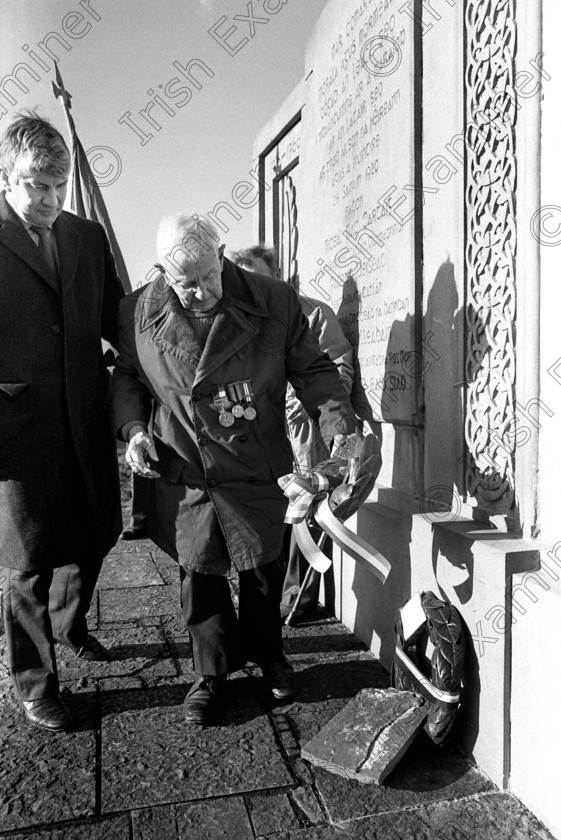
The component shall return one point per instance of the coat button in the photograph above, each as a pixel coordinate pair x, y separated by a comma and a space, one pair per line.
55, 329
195, 397
202, 441
211, 483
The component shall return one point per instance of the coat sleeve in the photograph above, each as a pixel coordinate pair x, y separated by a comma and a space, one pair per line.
113, 292
131, 398
332, 340
315, 377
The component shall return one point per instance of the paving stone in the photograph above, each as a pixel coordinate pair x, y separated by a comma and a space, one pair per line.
425, 774
129, 571
92, 615
167, 567
306, 804
140, 652
109, 828
151, 757
491, 817
221, 819
122, 605
173, 625
130, 547
367, 738
36, 786
271, 813
154, 824
181, 652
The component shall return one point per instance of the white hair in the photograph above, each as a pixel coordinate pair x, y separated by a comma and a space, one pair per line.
190, 234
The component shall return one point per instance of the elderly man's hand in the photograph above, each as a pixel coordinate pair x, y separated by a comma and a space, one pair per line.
296, 414
140, 449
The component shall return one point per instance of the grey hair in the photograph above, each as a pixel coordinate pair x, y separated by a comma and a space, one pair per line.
190, 234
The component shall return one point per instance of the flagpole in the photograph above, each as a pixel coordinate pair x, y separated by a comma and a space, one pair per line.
61, 93
86, 199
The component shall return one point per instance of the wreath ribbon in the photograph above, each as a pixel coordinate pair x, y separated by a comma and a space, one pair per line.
309, 497
425, 686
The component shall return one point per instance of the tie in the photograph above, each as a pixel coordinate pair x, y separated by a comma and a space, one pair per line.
46, 249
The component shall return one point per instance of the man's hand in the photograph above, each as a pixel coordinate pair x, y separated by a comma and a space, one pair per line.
295, 411
140, 448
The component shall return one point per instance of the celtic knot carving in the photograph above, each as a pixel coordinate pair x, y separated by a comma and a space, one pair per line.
490, 252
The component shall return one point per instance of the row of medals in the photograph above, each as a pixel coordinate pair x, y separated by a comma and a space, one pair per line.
234, 401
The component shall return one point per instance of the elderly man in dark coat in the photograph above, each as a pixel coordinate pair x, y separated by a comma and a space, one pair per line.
59, 488
206, 351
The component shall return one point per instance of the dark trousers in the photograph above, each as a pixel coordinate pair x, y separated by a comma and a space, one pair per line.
221, 641
39, 608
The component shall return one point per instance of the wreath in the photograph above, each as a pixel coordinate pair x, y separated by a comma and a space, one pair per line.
426, 617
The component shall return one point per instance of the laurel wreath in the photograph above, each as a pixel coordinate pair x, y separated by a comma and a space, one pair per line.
443, 626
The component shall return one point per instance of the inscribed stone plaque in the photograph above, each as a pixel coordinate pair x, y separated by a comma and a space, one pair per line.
359, 202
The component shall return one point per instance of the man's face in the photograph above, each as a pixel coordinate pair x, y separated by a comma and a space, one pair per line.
198, 285
38, 197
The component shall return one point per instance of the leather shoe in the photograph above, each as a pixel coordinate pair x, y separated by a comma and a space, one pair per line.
134, 534
48, 713
279, 674
203, 699
92, 651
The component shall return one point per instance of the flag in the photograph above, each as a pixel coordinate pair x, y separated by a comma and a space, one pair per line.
85, 198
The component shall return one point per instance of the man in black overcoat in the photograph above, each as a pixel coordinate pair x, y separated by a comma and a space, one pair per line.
59, 487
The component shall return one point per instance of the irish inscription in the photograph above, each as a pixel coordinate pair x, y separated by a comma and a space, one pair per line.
359, 174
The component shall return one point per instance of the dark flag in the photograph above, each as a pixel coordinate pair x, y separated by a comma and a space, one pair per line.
86, 199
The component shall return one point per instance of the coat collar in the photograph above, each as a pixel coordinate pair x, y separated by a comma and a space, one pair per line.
15, 237
238, 321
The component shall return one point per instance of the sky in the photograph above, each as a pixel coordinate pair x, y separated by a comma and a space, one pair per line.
195, 141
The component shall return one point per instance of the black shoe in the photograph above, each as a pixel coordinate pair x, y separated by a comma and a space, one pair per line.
92, 651
49, 713
203, 699
134, 534
280, 677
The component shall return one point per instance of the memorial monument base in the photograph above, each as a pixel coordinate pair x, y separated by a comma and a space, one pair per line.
490, 576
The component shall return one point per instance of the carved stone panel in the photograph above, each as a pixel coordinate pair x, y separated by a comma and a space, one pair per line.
490, 252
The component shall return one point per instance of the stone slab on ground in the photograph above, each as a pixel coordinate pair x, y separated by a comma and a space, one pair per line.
47, 777
427, 773
223, 819
129, 571
497, 816
150, 756
154, 823
110, 828
367, 738
271, 813
123, 605
139, 652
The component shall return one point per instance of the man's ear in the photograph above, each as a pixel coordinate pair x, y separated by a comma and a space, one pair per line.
221, 255
5, 180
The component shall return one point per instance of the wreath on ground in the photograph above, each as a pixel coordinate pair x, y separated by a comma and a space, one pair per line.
428, 618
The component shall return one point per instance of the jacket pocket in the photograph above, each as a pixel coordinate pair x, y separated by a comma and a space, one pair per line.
12, 389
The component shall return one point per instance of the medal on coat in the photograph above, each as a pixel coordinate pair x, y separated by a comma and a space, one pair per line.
235, 392
248, 412
222, 404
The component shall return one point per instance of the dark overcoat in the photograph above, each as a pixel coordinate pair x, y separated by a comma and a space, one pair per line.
59, 488
220, 482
